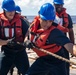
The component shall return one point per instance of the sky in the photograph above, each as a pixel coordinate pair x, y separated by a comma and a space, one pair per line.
31, 7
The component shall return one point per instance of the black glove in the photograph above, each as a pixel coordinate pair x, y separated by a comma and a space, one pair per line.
15, 46
29, 44
11, 43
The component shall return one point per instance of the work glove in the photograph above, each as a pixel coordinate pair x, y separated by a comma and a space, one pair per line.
11, 43
14, 43
15, 46
29, 44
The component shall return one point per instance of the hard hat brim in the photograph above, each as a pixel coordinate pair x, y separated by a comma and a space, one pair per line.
10, 9
42, 17
58, 3
47, 18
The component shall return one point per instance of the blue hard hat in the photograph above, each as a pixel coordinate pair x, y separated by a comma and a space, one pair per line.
18, 9
58, 1
8, 5
47, 12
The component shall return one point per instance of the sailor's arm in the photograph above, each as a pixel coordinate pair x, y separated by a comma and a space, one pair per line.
3, 42
71, 48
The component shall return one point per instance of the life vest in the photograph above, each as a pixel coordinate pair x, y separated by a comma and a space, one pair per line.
10, 30
39, 37
62, 28
64, 16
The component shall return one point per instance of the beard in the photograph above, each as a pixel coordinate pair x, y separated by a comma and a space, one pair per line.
58, 10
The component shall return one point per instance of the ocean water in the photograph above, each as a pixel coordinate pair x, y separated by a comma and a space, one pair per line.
30, 19
73, 19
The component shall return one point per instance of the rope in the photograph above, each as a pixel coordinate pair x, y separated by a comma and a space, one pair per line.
56, 56
32, 58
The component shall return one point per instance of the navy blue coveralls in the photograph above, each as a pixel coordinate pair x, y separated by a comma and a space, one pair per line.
19, 59
49, 65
